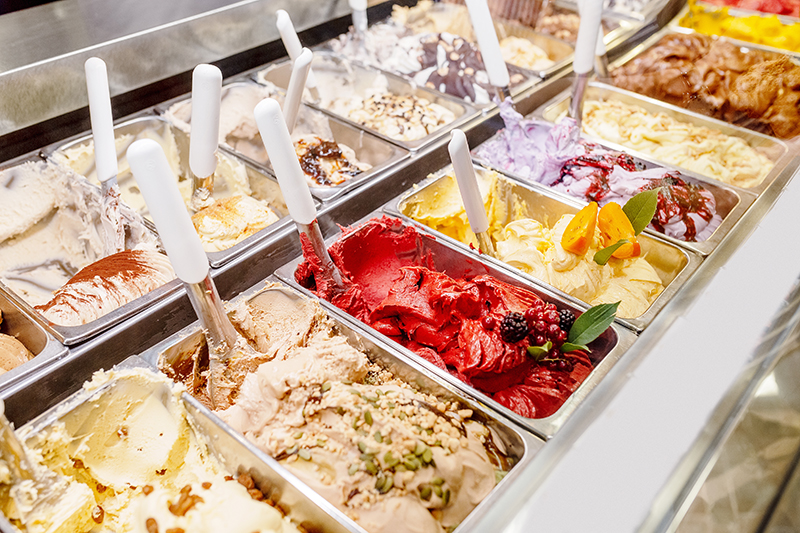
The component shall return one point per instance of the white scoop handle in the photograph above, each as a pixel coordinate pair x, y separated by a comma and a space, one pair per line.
105, 151
586, 45
292, 43
159, 187
600, 50
487, 41
467, 182
280, 149
206, 94
294, 93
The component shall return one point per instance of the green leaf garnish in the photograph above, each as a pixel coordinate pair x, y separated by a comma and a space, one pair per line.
641, 208
537, 352
602, 256
591, 324
571, 347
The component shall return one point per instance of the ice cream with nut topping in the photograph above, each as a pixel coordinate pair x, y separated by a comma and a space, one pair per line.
366, 441
132, 451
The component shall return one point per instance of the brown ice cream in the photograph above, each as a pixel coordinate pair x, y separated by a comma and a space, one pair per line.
752, 88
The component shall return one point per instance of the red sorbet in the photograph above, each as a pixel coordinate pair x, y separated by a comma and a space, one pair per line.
392, 285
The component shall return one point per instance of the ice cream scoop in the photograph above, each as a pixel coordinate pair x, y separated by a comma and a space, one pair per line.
45, 502
490, 46
105, 153
206, 97
470, 193
278, 143
294, 92
585, 52
185, 252
293, 47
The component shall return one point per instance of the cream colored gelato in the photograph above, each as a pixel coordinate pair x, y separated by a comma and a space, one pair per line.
12, 353
523, 53
367, 442
703, 150
230, 177
61, 233
238, 130
370, 103
106, 285
535, 248
231, 220
133, 451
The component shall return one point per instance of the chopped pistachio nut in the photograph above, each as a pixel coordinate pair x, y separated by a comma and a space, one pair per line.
304, 454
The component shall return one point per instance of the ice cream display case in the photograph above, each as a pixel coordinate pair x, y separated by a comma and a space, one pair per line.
421, 382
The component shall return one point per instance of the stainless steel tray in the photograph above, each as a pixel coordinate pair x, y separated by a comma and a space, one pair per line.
519, 446
235, 454
264, 186
674, 29
674, 25
71, 335
774, 149
363, 77
731, 202
367, 147
607, 349
649, 11
674, 265
527, 78
42, 345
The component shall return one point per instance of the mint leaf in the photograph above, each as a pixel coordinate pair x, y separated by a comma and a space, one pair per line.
641, 208
602, 256
538, 352
592, 324
570, 347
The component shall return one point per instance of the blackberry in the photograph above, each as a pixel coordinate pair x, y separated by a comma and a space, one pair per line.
566, 319
513, 328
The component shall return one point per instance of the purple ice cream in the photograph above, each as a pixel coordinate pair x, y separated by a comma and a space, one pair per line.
556, 157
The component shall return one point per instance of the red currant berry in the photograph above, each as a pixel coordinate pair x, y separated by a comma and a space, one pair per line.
562, 336
488, 322
530, 317
539, 315
551, 317
540, 327
540, 340
562, 364
553, 330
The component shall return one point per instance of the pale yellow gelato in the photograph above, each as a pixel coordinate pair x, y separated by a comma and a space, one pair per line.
231, 220
132, 450
535, 247
703, 150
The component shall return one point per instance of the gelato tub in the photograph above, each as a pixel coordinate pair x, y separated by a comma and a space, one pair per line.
740, 83
368, 99
131, 442
20, 334
335, 156
248, 207
639, 10
52, 262
671, 135
694, 212
436, 203
362, 404
450, 262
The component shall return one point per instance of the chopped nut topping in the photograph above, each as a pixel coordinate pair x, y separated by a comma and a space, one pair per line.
147, 489
206, 485
151, 525
98, 514
186, 502
246, 480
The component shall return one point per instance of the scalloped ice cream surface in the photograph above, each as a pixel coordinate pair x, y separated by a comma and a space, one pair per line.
50, 231
367, 442
391, 283
555, 156
131, 451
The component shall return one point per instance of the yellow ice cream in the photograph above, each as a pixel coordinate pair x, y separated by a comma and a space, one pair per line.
535, 248
768, 30
705, 151
133, 453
